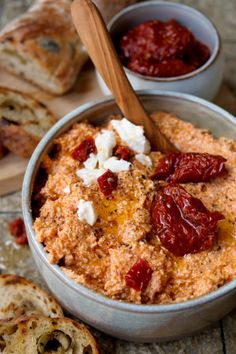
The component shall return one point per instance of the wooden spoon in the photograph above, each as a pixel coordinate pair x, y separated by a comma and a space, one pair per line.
95, 37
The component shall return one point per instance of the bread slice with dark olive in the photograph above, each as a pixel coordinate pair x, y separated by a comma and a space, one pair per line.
43, 46
20, 296
43, 335
23, 122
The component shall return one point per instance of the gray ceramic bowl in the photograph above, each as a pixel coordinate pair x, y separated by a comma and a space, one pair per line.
141, 323
203, 82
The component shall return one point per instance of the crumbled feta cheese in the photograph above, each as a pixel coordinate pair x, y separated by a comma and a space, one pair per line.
105, 142
86, 212
144, 160
89, 176
66, 190
116, 165
91, 162
132, 135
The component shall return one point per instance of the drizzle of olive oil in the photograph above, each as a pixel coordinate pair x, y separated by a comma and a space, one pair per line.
179, 263
226, 231
115, 212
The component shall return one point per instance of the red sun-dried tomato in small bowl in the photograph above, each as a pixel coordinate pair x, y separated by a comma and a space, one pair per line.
162, 49
169, 47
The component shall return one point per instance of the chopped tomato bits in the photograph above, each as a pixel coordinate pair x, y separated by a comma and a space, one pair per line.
108, 182
84, 149
182, 222
122, 152
139, 275
17, 230
190, 167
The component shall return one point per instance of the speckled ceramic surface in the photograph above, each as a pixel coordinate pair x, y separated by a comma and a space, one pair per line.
221, 339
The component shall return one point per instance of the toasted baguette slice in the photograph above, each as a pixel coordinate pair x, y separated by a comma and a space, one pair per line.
38, 334
43, 46
23, 121
20, 296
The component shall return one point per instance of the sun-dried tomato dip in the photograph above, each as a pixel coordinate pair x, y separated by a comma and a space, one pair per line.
118, 220
162, 49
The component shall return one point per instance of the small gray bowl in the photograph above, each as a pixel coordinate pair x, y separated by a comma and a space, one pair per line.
140, 323
203, 82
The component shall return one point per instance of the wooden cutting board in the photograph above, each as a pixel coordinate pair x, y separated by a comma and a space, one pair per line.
86, 89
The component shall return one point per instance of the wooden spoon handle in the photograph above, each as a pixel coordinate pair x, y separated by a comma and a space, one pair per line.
94, 35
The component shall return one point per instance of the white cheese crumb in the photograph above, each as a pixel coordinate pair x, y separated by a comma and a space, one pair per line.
144, 160
116, 165
105, 142
89, 176
86, 212
132, 135
66, 190
91, 162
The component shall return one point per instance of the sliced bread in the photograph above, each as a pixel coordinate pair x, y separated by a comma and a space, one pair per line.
43, 335
43, 46
20, 296
23, 121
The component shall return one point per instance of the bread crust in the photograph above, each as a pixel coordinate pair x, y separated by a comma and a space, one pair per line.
45, 46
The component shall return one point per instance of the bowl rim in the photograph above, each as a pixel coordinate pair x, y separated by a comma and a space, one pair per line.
214, 55
92, 295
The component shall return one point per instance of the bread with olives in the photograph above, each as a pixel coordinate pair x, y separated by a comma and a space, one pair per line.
43, 335
43, 46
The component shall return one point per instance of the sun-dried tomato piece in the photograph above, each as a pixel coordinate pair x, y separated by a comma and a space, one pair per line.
17, 230
84, 149
16, 227
22, 239
122, 152
190, 167
139, 275
108, 182
182, 222
165, 167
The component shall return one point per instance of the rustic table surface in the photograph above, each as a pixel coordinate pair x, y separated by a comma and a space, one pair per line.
222, 337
